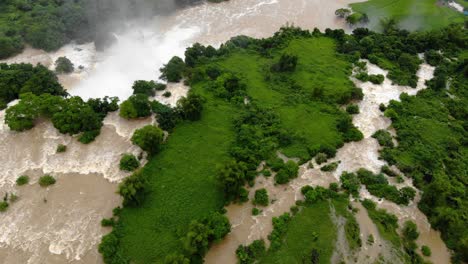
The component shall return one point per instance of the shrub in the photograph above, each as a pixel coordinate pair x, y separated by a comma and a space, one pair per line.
133, 189
261, 197
64, 65
191, 106
173, 70
352, 109
266, 173
321, 158
330, 167
149, 138
251, 253
22, 180
46, 180
384, 138
386, 169
129, 162
167, 94
61, 148
376, 79
426, 251
144, 87
89, 136
256, 211
410, 231
3, 206
287, 63
135, 106
107, 222
350, 182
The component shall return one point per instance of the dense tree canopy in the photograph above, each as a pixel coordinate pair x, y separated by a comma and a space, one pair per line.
149, 138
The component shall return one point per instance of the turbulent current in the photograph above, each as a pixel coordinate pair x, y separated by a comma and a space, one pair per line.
61, 223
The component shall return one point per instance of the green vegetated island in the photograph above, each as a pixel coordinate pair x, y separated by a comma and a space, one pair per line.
251, 98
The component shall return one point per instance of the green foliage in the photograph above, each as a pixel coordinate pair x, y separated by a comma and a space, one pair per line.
387, 224
288, 171
256, 211
202, 233
321, 158
350, 182
149, 138
353, 232
46, 180
233, 178
129, 162
133, 189
378, 186
109, 250
176, 259
166, 116
88, 136
330, 167
384, 138
3, 206
287, 63
352, 109
61, 148
410, 231
63, 65
426, 251
280, 225
22, 180
135, 106
107, 222
147, 88
356, 18
409, 14
251, 253
16, 79
261, 197
376, 79
173, 70
386, 169
190, 107
167, 94
342, 12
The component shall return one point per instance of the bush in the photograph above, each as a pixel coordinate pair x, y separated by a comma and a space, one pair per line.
107, 222
376, 79
3, 206
191, 106
145, 87
133, 189
61, 148
135, 106
410, 231
173, 70
22, 180
426, 251
167, 94
352, 109
330, 167
46, 180
384, 138
321, 158
149, 138
261, 197
129, 162
251, 253
89, 136
256, 211
350, 182
64, 65
287, 63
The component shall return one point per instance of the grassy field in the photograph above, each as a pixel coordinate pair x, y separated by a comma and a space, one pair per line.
298, 241
183, 185
311, 123
411, 14
182, 176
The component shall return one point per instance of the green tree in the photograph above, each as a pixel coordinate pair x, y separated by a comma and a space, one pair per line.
410, 231
173, 70
129, 162
135, 106
191, 106
64, 65
133, 189
149, 138
261, 197
46, 180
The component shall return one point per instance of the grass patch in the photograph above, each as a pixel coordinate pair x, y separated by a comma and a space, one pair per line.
311, 228
410, 14
183, 185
